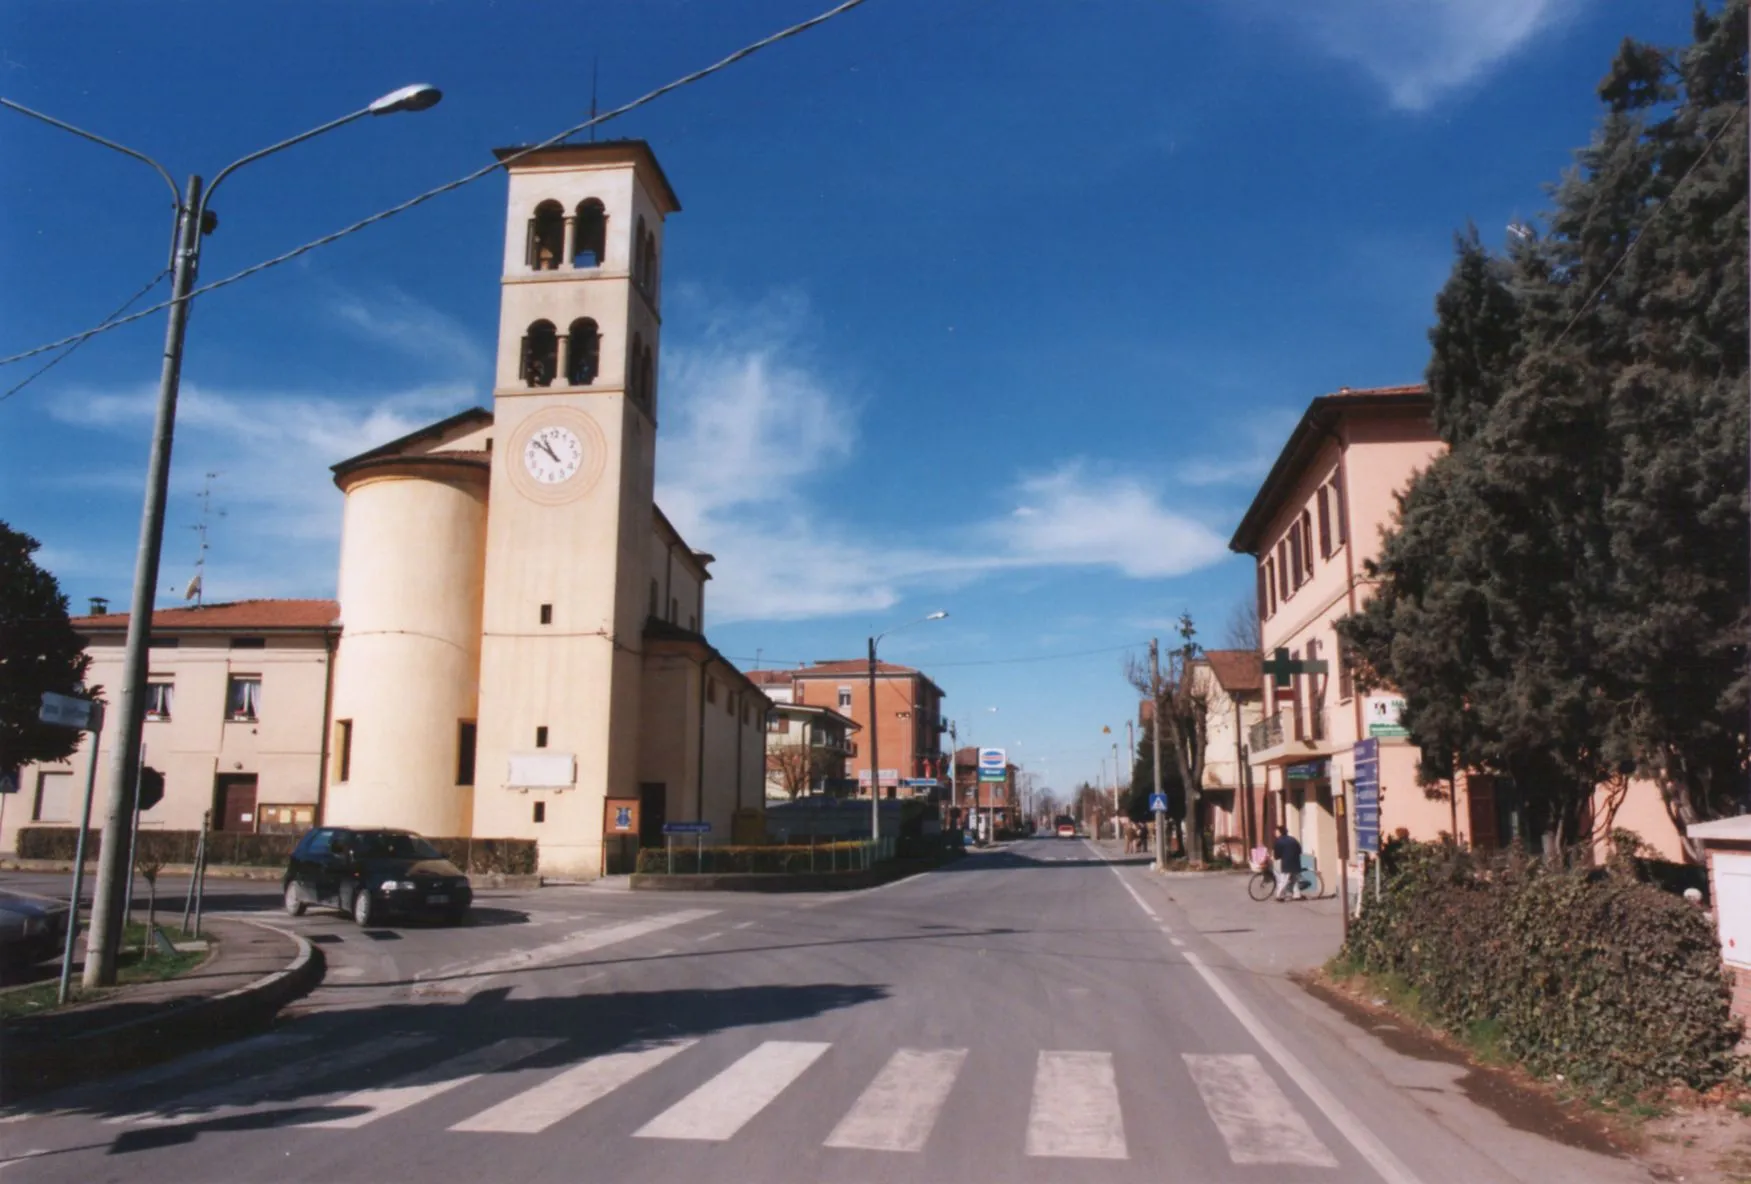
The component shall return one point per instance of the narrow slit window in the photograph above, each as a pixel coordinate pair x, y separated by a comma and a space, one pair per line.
547, 614
541, 736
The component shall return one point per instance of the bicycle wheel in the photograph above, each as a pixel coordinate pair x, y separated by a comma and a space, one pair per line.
1261, 886
1312, 884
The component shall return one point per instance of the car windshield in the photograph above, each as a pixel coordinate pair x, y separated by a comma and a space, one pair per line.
393, 845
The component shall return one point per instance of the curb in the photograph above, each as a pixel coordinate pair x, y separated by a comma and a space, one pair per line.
35, 1067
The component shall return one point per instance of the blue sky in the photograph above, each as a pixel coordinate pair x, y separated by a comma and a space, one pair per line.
998, 309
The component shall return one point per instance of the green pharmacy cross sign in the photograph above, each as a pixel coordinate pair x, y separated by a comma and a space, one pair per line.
1282, 668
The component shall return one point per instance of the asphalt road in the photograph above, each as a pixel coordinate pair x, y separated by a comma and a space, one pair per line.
1036, 1014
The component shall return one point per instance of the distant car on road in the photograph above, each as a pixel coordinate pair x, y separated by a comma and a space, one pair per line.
30, 929
1066, 827
373, 874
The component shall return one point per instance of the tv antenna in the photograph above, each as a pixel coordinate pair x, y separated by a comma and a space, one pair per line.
196, 590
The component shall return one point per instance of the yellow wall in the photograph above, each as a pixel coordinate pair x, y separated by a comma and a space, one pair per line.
412, 553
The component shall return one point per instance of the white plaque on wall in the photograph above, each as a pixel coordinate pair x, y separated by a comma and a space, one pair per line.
542, 770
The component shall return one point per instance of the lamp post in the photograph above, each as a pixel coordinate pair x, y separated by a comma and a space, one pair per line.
875, 762
193, 219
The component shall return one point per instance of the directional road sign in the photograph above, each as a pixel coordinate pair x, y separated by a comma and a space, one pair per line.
71, 712
1367, 757
686, 828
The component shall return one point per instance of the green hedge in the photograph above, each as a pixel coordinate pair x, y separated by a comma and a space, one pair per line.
517, 857
1613, 983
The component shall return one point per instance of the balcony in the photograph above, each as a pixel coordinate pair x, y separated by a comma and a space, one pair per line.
1287, 739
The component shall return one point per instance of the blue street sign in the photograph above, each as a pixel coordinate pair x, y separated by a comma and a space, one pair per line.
686, 828
1367, 756
919, 782
1158, 803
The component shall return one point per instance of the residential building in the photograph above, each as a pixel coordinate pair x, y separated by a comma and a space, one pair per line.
522, 649
973, 795
909, 726
806, 750
1232, 689
1312, 528
235, 709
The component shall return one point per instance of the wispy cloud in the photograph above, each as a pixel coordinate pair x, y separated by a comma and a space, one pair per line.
271, 451
1420, 50
1245, 460
391, 318
754, 430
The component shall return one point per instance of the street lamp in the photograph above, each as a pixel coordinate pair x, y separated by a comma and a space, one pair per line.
193, 219
875, 763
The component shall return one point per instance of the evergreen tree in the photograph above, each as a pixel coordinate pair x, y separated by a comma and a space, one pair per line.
1564, 594
39, 651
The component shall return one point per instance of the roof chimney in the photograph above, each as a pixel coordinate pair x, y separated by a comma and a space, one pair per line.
99, 606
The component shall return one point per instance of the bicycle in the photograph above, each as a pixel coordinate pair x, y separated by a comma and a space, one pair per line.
1263, 884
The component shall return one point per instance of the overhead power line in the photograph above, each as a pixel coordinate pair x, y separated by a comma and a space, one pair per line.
64, 354
469, 179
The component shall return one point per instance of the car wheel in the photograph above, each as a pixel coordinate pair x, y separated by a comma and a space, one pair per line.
364, 907
294, 906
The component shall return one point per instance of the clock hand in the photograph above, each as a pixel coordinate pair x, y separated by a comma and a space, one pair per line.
548, 449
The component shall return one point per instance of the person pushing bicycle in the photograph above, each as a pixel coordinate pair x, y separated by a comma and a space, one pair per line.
1288, 855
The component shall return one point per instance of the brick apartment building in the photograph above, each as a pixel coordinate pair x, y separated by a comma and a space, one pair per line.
909, 721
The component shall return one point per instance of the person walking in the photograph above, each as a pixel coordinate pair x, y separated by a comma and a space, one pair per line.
1288, 854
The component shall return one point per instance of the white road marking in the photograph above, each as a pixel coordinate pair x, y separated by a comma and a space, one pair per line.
720, 1107
743, 925
709, 936
1365, 1141
1176, 941
1075, 1110
431, 1081
537, 1108
898, 1110
470, 977
1256, 1119
225, 1097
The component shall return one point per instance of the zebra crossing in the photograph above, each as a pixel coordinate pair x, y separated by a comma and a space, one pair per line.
1074, 1111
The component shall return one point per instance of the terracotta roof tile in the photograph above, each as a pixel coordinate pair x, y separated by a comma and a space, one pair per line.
848, 666
1237, 670
231, 615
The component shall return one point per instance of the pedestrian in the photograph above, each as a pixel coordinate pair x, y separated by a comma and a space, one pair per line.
1288, 853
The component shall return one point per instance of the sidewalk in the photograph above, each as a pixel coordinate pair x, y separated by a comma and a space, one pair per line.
254, 972
1264, 937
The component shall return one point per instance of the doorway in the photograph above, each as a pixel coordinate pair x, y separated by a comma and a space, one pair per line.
234, 802
653, 812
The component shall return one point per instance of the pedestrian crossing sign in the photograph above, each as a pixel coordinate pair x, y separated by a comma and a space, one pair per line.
1158, 803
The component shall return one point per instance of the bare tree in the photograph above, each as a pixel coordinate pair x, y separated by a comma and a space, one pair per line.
1245, 631
796, 767
1183, 705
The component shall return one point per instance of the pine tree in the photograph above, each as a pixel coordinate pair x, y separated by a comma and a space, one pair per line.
1564, 595
39, 651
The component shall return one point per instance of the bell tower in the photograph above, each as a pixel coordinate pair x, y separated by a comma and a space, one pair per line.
569, 518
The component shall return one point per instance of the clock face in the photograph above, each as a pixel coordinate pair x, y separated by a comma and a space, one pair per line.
553, 454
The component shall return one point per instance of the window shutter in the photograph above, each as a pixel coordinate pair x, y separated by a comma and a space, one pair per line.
1325, 547
1264, 606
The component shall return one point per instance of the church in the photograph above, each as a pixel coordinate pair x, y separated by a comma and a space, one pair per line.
518, 647
522, 651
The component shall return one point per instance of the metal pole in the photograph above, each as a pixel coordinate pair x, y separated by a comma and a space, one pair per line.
1747, 802
100, 957
201, 872
875, 757
1155, 752
133, 844
194, 873
96, 725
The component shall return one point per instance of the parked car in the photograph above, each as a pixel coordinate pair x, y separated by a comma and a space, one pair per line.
30, 929
373, 874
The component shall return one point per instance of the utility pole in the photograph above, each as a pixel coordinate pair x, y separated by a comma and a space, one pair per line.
1155, 751
875, 762
106, 894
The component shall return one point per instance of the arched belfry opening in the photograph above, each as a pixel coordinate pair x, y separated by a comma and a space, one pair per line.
546, 237
540, 360
589, 234
583, 352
